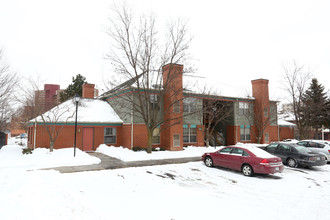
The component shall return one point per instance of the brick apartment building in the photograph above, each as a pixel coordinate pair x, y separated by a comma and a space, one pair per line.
131, 131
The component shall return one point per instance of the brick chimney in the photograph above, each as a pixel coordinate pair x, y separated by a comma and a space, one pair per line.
173, 93
88, 91
261, 106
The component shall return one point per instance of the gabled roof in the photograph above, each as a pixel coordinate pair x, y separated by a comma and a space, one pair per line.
124, 85
89, 111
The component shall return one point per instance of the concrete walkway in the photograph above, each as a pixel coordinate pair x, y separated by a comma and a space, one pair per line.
108, 163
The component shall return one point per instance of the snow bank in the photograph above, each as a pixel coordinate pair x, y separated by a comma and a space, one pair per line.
129, 155
11, 157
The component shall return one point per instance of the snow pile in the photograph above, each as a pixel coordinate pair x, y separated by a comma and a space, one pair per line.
250, 144
89, 110
129, 155
11, 157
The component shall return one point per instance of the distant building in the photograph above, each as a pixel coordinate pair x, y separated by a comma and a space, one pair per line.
48, 97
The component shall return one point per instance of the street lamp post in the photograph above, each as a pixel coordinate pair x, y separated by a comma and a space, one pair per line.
76, 100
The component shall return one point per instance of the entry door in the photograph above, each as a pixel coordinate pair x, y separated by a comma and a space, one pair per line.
2, 139
88, 139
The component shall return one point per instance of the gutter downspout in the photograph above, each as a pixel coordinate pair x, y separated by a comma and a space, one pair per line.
132, 129
235, 115
35, 134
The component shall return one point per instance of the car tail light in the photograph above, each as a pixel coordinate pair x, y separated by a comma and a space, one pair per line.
313, 158
264, 162
329, 151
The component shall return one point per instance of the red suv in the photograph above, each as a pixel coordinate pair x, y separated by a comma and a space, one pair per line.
248, 159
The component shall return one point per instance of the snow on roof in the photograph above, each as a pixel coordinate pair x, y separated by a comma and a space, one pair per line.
282, 122
89, 110
288, 116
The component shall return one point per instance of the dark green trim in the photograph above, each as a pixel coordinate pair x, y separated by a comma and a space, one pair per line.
287, 126
218, 97
119, 93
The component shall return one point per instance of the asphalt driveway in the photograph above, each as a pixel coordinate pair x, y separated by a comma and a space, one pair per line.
108, 163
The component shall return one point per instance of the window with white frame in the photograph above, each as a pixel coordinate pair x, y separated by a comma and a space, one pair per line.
267, 137
189, 134
176, 140
154, 101
110, 135
176, 107
245, 133
266, 112
156, 136
243, 108
189, 105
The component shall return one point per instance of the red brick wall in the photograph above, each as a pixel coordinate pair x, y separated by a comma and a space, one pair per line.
286, 133
65, 138
273, 134
126, 135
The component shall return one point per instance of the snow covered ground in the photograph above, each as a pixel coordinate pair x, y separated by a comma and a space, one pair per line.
184, 191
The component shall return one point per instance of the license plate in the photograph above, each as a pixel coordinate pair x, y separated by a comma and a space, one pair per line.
277, 168
318, 158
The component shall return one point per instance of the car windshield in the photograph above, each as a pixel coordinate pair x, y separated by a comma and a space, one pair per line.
302, 149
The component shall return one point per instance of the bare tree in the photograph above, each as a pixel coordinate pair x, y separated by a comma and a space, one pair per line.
296, 79
137, 54
31, 102
260, 119
8, 83
33, 109
55, 119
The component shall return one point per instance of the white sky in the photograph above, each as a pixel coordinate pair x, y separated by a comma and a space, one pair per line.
234, 42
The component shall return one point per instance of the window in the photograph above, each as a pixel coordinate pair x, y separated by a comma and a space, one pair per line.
110, 135
29, 134
315, 145
245, 154
245, 133
272, 146
237, 151
189, 134
156, 136
189, 105
176, 107
267, 137
176, 140
154, 101
284, 148
225, 150
266, 112
243, 108
185, 135
303, 143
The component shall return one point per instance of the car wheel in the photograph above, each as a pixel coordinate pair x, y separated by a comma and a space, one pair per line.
247, 170
208, 162
291, 162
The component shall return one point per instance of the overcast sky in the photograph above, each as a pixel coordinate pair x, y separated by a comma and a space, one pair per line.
235, 41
